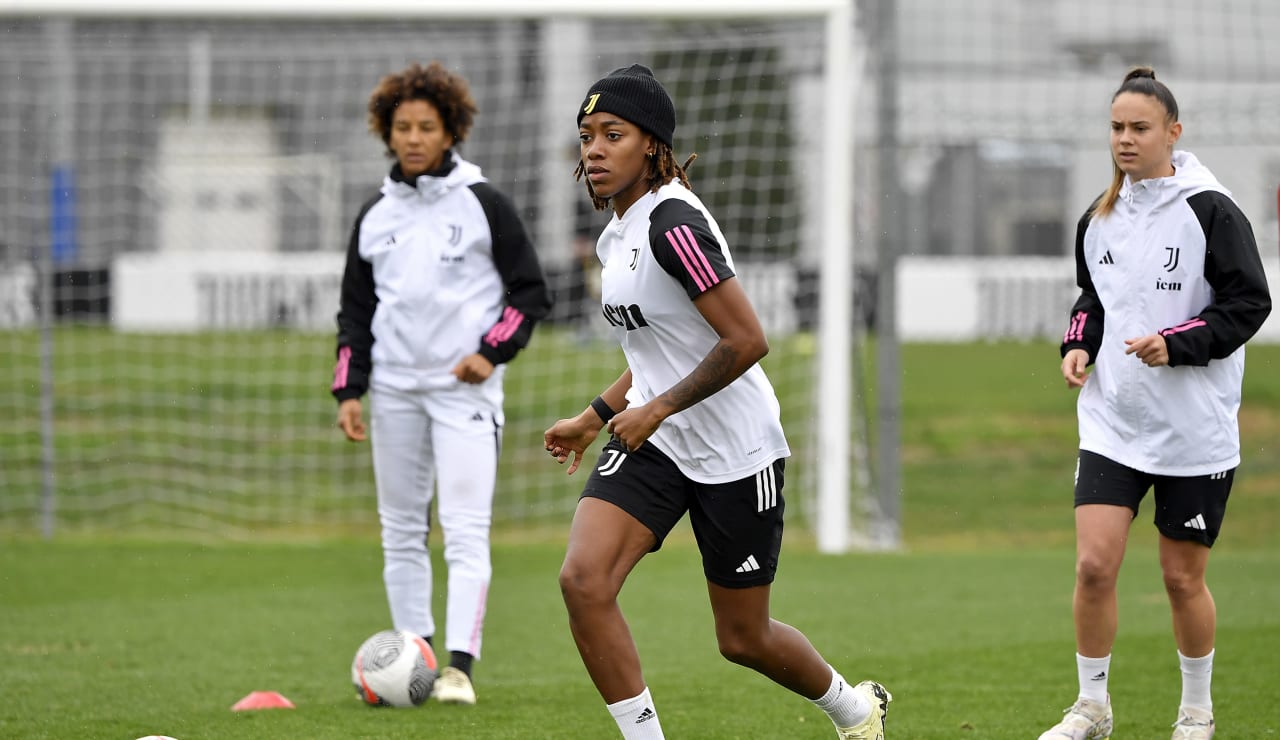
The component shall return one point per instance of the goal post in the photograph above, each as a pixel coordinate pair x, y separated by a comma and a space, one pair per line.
765, 90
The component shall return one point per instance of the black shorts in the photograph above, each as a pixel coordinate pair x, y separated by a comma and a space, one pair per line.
1186, 508
738, 525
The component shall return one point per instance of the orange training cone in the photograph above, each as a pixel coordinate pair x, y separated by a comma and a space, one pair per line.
262, 700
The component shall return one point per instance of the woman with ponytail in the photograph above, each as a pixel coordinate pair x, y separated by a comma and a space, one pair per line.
693, 425
1172, 286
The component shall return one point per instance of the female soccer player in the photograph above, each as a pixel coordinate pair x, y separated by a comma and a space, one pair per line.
1171, 288
441, 288
693, 422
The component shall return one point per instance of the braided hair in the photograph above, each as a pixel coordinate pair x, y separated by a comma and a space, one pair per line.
662, 170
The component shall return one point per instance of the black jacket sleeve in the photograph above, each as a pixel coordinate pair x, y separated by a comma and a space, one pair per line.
1084, 331
355, 319
1233, 268
528, 300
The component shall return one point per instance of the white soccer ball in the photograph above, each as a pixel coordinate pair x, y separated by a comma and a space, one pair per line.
394, 669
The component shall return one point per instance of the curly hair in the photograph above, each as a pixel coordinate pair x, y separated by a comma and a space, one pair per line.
449, 93
662, 170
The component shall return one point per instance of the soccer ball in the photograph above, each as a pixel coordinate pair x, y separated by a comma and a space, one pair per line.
394, 669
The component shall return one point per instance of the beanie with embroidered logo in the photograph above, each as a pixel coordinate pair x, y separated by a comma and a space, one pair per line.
636, 95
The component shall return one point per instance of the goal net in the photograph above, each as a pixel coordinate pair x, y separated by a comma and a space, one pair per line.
180, 176
185, 178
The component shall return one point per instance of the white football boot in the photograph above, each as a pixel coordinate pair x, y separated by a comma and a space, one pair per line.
453, 687
1193, 724
871, 728
1085, 720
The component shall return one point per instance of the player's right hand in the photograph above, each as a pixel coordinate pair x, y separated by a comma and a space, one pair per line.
1074, 368
350, 421
570, 437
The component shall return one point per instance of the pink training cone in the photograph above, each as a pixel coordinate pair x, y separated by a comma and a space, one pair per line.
262, 700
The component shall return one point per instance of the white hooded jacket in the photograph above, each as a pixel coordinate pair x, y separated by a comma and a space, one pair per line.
1174, 256
437, 268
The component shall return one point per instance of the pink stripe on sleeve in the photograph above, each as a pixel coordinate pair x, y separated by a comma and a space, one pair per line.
1075, 332
696, 250
674, 238
340, 370
1184, 326
504, 329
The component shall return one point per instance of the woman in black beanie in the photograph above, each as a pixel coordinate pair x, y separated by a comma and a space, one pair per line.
693, 423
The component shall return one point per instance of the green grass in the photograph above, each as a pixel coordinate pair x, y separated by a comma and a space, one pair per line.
118, 639
123, 626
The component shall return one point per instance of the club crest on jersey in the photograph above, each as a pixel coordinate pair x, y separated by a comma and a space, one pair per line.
455, 234
1171, 263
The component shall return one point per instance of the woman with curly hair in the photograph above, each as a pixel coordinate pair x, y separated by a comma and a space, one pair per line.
442, 288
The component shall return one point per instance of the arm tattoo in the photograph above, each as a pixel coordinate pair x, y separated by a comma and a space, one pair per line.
719, 368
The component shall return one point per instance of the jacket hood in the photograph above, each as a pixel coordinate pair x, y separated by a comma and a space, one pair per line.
454, 173
1189, 177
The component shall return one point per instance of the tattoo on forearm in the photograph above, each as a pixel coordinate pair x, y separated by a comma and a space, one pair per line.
717, 370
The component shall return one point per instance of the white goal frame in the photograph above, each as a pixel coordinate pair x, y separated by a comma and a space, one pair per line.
840, 81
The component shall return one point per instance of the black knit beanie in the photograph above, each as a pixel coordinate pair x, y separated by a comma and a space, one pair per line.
633, 93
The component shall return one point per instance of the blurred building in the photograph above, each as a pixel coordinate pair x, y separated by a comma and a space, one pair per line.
1003, 137
250, 135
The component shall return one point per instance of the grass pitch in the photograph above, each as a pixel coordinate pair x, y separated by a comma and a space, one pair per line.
119, 639
118, 636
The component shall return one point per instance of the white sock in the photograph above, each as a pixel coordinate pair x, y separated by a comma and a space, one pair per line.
1197, 674
1093, 674
637, 717
842, 704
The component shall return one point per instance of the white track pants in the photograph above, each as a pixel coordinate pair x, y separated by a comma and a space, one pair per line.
446, 441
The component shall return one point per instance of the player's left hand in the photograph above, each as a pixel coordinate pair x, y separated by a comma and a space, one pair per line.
474, 368
1151, 349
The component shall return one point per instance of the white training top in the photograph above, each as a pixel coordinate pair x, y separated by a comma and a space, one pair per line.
664, 252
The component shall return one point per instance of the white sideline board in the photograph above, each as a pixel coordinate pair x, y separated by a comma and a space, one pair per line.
965, 299
168, 292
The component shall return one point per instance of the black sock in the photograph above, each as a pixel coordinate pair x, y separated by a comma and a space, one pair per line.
461, 661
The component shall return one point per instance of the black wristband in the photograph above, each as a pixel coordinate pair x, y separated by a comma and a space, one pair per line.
602, 409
